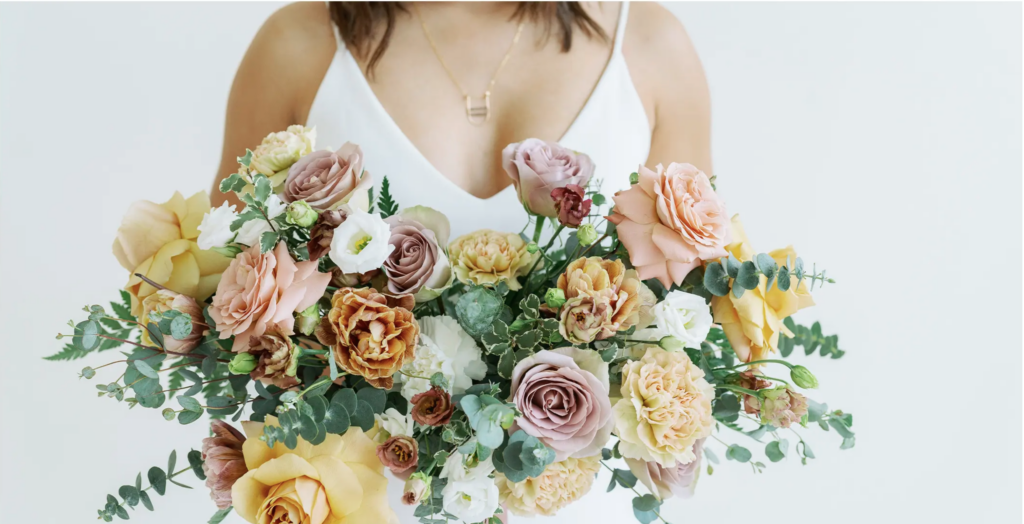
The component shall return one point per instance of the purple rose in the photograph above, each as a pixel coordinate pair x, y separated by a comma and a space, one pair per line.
563, 395
223, 462
418, 264
328, 179
538, 167
663, 482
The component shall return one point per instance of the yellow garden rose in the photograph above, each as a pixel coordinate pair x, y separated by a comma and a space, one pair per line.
665, 408
752, 322
561, 484
487, 257
159, 242
339, 481
280, 150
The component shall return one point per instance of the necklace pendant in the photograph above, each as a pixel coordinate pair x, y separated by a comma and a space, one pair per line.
478, 114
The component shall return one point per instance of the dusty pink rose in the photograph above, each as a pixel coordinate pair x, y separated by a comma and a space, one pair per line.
223, 462
538, 167
679, 480
261, 289
563, 395
400, 454
418, 264
670, 221
328, 179
572, 205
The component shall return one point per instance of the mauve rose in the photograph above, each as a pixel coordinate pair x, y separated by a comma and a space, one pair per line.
418, 264
322, 233
276, 359
223, 462
663, 482
571, 206
400, 454
537, 167
329, 179
563, 395
432, 407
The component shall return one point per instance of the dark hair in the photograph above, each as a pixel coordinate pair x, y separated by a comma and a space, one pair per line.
358, 23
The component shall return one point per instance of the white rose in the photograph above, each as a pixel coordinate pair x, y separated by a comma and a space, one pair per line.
360, 243
455, 469
215, 229
684, 316
446, 348
471, 500
249, 233
395, 423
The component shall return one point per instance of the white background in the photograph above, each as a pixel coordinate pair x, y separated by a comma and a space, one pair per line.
883, 140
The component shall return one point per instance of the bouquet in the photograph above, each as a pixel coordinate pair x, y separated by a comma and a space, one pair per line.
331, 334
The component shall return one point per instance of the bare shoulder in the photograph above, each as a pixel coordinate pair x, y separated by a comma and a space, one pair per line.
662, 59
301, 27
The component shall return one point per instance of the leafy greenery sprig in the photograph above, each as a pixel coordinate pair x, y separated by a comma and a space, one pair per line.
134, 494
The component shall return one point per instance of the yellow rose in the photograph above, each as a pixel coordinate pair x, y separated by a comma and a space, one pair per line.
280, 150
752, 323
159, 242
339, 481
665, 408
487, 257
561, 484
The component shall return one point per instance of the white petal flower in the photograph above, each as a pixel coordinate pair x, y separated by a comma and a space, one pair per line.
471, 501
395, 423
215, 229
249, 233
446, 348
360, 243
455, 469
684, 316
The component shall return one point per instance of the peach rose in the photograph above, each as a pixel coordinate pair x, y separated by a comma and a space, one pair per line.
670, 221
561, 484
339, 481
753, 322
487, 257
370, 338
158, 241
262, 289
223, 462
610, 283
665, 408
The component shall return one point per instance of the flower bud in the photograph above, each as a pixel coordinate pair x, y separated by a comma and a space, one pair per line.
586, 234
88, 372
308, 319
532, 247
300, 214
670, 343
242, 364
417, 488
554, 298
634, 178
803, 377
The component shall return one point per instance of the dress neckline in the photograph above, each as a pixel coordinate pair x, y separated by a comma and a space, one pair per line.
385, 116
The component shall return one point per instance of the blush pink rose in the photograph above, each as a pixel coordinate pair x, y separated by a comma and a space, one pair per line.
223, 462
538, 167
679, 480
262, 289
327, 179
563, 396
670, 221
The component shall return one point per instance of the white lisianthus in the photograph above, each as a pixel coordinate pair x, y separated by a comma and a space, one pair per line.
684, 316
395, 423
249, 233
471, 495
445, 348
215, 229
360, 243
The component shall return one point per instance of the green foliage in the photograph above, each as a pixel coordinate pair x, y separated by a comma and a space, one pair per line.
521, 457
811, 339
477, 309
645, 508
134, 494
386, 205
220, 515
738, 453
747, 275
776, 450
310, 415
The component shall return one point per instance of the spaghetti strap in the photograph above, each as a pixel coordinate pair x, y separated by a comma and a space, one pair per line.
620, 29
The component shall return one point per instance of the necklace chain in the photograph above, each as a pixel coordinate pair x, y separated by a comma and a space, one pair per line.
476, 114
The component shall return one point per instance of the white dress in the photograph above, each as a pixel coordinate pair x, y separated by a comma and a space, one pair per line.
612, 128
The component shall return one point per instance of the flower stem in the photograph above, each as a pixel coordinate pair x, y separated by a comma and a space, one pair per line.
766, 361
538, 229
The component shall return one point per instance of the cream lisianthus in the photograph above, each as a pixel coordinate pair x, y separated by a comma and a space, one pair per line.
684, 316
360, 243
446, 348
280, 150
339, 481
561, 484
391, 423
250, 232
215, 229
665, 408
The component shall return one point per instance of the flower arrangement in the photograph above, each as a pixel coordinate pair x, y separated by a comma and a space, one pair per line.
493, 372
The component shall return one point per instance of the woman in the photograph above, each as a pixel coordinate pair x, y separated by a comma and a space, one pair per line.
621, 83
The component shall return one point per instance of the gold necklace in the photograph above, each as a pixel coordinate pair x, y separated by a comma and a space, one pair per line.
478, 114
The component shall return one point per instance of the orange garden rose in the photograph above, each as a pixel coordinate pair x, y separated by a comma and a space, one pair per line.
158, 241
602, 298
370, 338
339, 481
753, 322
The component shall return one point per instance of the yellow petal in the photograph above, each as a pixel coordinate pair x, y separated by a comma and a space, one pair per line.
285, 467
195, 207
345, 491
247, 495
374, 508
184, 276
358, 448
145, 228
